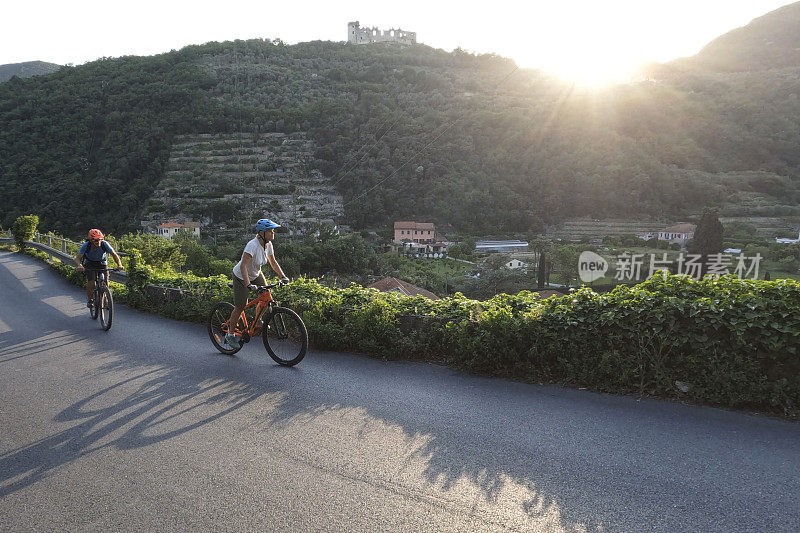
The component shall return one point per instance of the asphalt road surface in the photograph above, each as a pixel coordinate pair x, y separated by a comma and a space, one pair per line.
148, 428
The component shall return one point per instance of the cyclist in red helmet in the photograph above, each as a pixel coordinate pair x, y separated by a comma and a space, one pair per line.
93, 255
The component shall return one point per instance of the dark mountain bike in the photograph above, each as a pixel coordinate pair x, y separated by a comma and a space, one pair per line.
103, 300
282, 330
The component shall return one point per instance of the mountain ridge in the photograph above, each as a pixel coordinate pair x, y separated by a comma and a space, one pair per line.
26, 69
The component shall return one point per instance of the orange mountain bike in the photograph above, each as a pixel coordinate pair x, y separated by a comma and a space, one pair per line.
284, 334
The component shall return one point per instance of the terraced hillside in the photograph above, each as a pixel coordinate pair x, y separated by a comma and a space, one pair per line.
595, 229
225, 181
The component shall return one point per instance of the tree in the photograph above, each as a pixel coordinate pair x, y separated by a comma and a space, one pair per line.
24, 229
566, 261
707, 237
156, 251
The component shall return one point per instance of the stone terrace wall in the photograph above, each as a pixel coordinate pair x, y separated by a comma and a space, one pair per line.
228, 180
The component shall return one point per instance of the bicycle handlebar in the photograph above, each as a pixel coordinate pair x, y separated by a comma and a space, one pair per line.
262, 288
117, 269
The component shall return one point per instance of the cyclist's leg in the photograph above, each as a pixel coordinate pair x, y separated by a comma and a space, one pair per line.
240, 292
91, 276
261, 281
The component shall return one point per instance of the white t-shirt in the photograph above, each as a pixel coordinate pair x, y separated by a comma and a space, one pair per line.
259, 254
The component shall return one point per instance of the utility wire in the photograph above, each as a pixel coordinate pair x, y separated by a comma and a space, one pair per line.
450, 125
343, 174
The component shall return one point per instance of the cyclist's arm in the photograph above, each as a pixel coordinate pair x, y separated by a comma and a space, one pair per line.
246, 259
275, 266
117, 260
79, 261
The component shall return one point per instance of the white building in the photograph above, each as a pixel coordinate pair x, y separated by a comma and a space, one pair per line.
169, 229
482, 247
788, 241
515, 264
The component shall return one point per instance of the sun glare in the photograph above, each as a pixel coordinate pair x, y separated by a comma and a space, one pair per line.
602, 46
591, 71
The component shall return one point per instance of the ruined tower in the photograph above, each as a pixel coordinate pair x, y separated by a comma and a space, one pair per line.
358, 35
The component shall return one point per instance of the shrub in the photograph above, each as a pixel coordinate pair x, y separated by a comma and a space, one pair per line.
24, 229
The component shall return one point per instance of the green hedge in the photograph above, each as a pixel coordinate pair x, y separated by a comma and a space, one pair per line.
723, 342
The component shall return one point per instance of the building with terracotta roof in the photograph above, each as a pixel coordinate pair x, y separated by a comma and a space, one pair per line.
422, 232
169, 229
679, 233
403, 287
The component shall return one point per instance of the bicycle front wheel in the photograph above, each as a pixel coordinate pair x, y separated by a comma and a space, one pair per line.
218, 327
285, 336
106, 311
95, 309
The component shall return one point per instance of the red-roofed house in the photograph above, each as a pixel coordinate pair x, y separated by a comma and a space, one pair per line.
423, 232
169, 229
403, 287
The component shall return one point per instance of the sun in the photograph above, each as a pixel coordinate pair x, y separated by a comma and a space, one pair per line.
602, 46
591, 71
587, 61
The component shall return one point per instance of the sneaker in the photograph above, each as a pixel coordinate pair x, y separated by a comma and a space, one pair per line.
90, 304
232, 341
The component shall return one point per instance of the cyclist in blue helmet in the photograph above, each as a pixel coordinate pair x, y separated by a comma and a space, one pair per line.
247, 271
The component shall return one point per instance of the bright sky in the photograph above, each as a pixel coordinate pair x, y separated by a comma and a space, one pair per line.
583, 40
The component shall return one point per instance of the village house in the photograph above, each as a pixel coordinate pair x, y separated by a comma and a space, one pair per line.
169, 229
515, 264
678, 234
422, 232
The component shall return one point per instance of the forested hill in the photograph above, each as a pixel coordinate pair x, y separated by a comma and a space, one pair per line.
406, 132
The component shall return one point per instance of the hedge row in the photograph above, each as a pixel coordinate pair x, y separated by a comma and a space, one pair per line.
723, 342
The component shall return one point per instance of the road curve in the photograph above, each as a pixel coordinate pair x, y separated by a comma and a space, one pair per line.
148, 428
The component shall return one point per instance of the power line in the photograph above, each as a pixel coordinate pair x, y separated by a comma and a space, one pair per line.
366, 153
450, 125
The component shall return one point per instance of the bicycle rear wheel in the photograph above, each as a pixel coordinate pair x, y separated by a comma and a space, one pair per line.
106, 311
285, 336
218, 327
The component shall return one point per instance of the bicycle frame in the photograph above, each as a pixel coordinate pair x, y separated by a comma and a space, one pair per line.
262, 303
103, 278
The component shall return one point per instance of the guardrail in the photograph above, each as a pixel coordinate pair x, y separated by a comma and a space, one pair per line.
45, 243
58, 247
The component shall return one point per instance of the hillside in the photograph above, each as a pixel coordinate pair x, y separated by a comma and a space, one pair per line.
400, 133
210, 178
26, 70
768, 42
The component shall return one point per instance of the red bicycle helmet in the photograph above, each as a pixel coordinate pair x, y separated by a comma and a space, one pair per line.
95, 234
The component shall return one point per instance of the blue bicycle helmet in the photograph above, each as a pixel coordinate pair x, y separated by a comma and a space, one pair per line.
265, 224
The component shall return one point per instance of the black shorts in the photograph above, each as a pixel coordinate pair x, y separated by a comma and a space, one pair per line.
92, 269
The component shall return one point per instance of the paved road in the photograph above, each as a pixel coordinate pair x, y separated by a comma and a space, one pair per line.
148, 428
